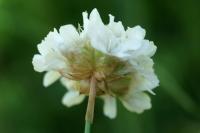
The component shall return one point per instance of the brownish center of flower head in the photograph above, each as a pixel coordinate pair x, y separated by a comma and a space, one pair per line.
113, 75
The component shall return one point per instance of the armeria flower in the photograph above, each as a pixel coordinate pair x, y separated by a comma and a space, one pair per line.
117, 61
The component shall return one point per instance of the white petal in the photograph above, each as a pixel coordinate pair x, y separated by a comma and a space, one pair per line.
54, 39
72, 98
69, 84
131, 45
150, 82
54, 61
68, 32
50, 43
136, 32
50, 77
116, 27
100, 35
50, 57
39, 63
99, 38
110, 106
94, 16
132, 42
70, 37
43, 48
136, 102
143, 82
145, 78
85, 20
149, 48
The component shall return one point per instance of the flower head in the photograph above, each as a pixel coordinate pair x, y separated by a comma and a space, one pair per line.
118, 58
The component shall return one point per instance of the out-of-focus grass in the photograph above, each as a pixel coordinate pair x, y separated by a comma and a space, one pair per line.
27, 107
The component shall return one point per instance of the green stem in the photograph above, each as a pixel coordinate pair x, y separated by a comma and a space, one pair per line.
87, 127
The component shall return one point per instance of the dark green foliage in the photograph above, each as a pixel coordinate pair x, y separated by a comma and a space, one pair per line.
27, 107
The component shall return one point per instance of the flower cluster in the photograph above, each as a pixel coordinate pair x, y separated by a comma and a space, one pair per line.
118, 58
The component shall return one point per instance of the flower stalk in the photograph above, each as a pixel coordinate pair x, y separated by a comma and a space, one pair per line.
87, 126
90, 107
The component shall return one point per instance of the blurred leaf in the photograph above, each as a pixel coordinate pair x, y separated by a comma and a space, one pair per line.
172, 87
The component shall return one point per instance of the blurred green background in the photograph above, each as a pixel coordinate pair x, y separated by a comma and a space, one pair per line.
27, 107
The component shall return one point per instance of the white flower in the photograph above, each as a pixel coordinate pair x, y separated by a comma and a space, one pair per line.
119, 59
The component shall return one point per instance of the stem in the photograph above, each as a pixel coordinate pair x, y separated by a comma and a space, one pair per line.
90, 107
87, 127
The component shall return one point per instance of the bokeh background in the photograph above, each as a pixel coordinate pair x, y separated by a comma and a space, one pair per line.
27, 107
